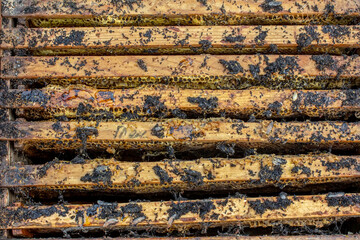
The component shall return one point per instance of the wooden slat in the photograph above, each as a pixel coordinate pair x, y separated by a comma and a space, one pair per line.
184, 38
190, 133
312, 210
85, 8
177, 102
184, 65
215, 173
239, 237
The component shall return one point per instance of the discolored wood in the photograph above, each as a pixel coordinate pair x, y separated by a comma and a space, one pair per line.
311, 210
214, 174
165, 102
183, 39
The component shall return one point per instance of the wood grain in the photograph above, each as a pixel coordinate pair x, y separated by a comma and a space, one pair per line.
311, 210
216, 173
172, 66
193, 39
84, 8
175, 102
184, 133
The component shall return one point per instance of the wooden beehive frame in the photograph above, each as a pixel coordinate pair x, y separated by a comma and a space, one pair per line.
54, 33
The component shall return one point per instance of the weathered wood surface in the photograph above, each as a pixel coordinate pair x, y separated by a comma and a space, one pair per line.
183, 133
183, 65
185, 39
214, 173
84, 8
165, 102
311, 210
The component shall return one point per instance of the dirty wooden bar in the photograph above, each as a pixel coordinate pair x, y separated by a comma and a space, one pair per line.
311, 210
170, 39
165, 102
183, 65
194, 133
186, 12
216, 173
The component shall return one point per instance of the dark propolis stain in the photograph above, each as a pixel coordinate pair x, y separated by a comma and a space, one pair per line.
205, 104
341, 200
324, 61
74, 38
158, 131
100, 174
199, 207
162, 174
282, 202
271, 6
232, 66
142, 65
